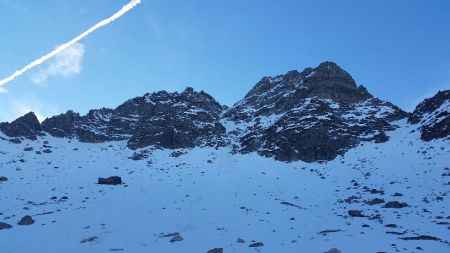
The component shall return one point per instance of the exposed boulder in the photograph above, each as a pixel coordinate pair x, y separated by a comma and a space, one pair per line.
395, 204
256, 245
333, 250
26, 220
375, 201
355, 213
114, 180
4, 225
216, 250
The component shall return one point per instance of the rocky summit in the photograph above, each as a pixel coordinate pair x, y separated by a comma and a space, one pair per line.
312, 115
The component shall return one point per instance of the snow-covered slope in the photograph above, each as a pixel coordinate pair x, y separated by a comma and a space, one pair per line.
191, 175
212, 198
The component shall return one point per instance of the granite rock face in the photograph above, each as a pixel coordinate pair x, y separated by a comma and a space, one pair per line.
433, 116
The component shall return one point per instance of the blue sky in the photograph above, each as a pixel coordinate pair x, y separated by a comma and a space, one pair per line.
400, 50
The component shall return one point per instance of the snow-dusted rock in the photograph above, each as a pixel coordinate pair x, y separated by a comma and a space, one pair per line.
433, 116
311, 115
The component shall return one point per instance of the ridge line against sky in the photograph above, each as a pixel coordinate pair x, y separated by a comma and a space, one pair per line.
397, 49
66, 45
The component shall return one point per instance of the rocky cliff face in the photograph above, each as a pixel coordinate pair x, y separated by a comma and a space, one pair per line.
312, 115
433, 116
162, 119
27, 126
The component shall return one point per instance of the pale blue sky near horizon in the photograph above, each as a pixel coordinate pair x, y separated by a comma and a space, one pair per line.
399, 50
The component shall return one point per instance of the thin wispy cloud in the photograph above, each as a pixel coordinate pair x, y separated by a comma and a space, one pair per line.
65, 64
70, 43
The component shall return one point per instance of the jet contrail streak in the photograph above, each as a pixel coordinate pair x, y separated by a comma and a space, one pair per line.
44, 58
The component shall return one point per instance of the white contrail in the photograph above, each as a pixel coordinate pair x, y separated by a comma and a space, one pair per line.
44, 58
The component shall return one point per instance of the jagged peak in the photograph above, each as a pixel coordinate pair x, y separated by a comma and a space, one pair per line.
327, 80
29, 119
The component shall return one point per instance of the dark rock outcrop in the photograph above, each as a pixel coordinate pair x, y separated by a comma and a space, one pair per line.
216, 250
26, 220
256, 245
433, 116
355, 213
311, 115
395, 204
4, 225
27, 126
162, 119
176, 120
114, 180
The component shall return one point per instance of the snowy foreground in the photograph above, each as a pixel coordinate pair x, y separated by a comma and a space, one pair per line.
212, 198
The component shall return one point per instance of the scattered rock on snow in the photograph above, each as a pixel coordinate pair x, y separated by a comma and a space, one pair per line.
355, 213
90, 239
46, 151
114, 180
375, 201
395, 204
4, 225
333, 250
256, 245
26, 220
176, 238
3, 179
421, 237
240, 240
216, 250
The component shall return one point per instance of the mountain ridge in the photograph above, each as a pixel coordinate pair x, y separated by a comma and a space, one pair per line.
312, 115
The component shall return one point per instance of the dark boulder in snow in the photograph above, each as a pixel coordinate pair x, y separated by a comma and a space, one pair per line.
89, 239
333, 250
114, 180
375, 201
395, 204
3, 179
421, 238
355, 213
216, 250
4, 225
256, 245
176, 238
26, 220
